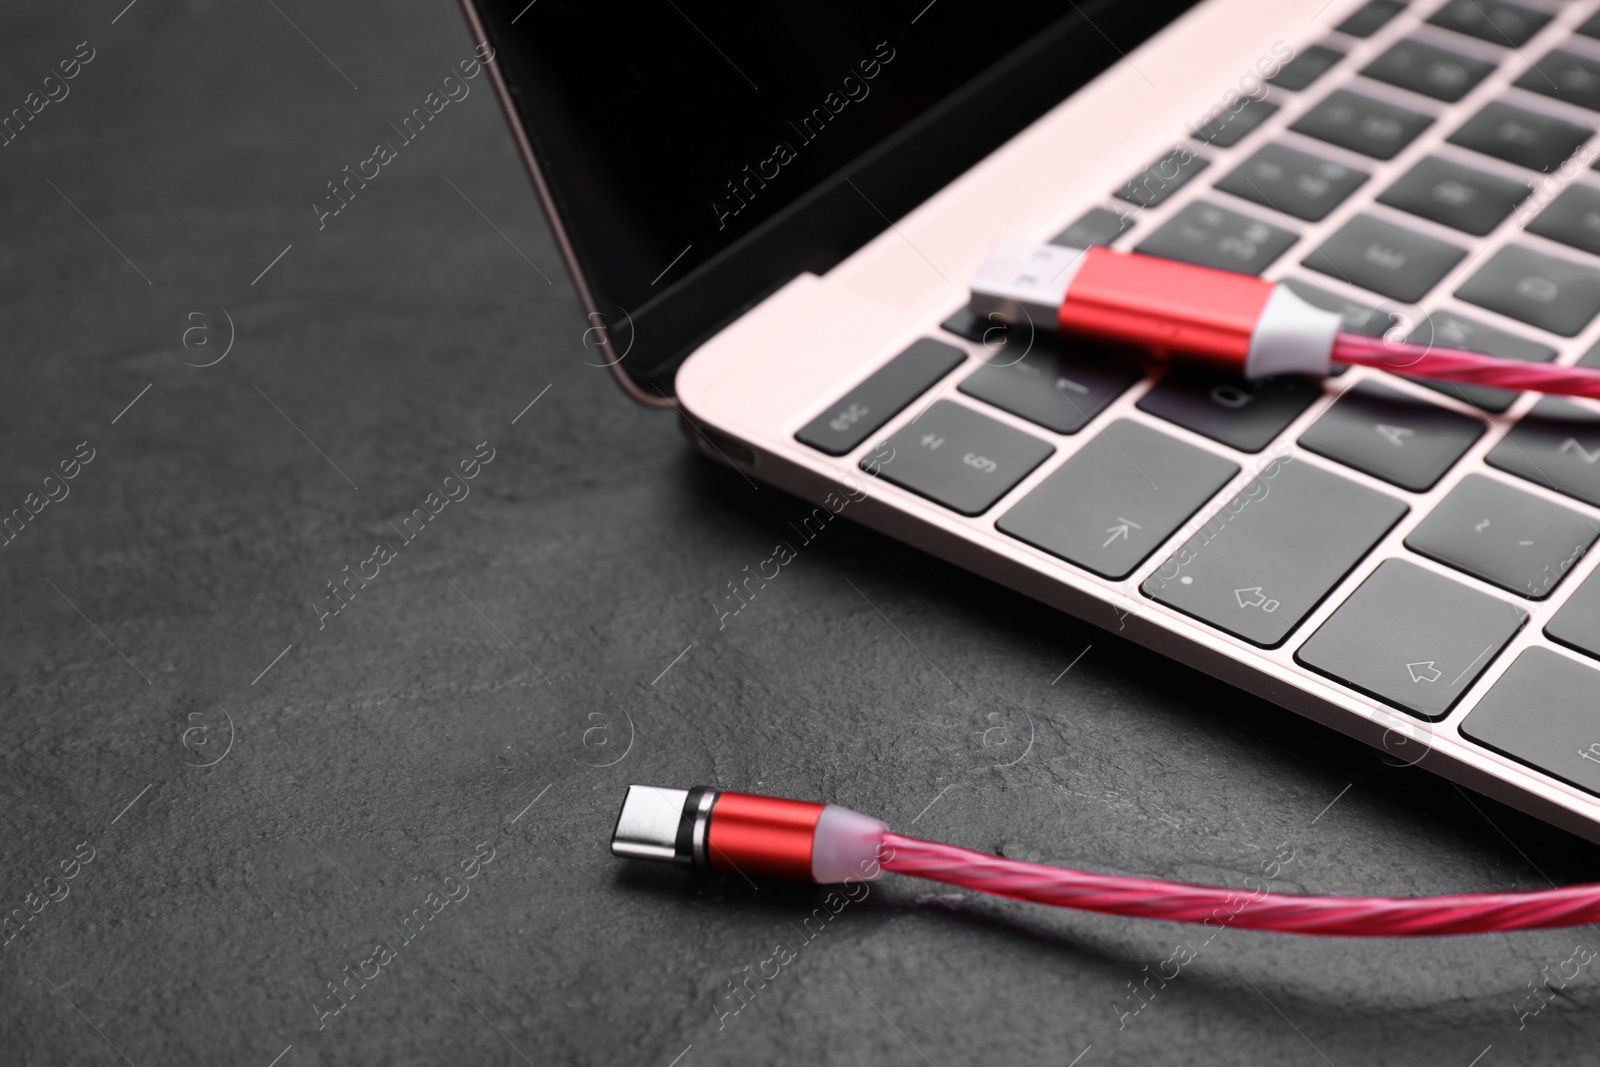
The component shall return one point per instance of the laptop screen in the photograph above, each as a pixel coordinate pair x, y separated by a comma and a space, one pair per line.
699, 154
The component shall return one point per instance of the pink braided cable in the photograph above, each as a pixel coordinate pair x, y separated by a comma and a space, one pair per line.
1448, 364
1148, 898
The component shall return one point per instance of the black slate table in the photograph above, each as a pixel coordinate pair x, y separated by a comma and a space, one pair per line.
257, 798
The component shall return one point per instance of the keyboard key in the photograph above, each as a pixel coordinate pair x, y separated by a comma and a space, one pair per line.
1573, 218
957, 457
1577, 624
1565, 76
1412, 637
1456, 196
1429, 70
1114, 502
1372, 17
1544, 291
861, 411
1388, 259
1274, 551
992, 332
1293, 182
1392, 435
1556, 445
1362, 124
1307, 66
1449, 330
1518, 541
1542, 712
1097, 227
1215, 237
1058, 385
1526, 138
1510, 25
1591, 26
1162, 178
1358, 318
1236, 120
1242, 414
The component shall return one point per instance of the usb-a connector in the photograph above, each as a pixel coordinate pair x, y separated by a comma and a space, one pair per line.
1023, 283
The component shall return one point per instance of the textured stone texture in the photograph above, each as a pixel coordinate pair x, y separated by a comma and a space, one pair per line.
371, 759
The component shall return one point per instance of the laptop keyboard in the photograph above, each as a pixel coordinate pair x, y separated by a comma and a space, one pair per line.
1475, 560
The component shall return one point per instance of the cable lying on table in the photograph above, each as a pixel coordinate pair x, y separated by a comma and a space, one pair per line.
803, 841
1235, 323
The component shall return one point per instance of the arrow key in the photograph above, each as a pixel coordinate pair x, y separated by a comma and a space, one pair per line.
1413, 638
1116, 499
1265, 559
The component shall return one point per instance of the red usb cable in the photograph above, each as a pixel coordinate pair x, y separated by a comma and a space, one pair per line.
803, 841
1235, 323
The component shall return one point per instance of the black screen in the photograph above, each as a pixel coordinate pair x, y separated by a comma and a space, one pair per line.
699, 154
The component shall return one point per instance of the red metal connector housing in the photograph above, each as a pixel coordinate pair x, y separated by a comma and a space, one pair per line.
763, 836
1165, 307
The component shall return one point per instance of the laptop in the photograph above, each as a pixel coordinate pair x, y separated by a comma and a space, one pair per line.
772, 216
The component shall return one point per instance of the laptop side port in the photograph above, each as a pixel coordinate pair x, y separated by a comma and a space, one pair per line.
719, 446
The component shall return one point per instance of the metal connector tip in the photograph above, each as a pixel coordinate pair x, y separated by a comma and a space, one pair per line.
1024, 283
665, 825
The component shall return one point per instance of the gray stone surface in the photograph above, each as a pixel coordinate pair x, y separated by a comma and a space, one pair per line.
464, 683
